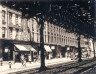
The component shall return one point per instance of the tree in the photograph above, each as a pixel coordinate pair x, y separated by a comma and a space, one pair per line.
79, 49
41, 22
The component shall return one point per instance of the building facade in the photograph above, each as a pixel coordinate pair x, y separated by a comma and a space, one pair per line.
22, 36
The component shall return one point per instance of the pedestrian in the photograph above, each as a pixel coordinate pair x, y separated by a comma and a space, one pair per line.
10, 64
29, 58
1, 61
24, 64
22, 59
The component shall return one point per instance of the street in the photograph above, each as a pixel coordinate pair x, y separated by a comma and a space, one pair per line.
63, 68
90, 71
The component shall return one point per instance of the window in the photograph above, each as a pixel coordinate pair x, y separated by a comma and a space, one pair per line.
55, 39
17, 34
33, 36
3, 32
10, 17
32, 28
16, 19
3, 17
45, 38
48, 33
71, 39
10, 33
86, 43
32, 21
51, 38
51, 34
62, 40
37, 37
66, 40
48, 38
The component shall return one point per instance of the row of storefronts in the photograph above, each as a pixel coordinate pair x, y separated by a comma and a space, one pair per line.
12, 50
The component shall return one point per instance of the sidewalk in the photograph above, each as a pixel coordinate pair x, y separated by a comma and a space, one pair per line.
18, 66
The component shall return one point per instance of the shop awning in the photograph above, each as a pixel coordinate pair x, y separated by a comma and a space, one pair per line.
25, 47
21, 47
53, 47
47, 48
29, 47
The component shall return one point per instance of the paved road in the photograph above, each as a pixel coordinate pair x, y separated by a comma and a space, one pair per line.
64, 68
91, 70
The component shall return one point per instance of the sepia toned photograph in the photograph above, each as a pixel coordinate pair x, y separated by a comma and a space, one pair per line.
47, 37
